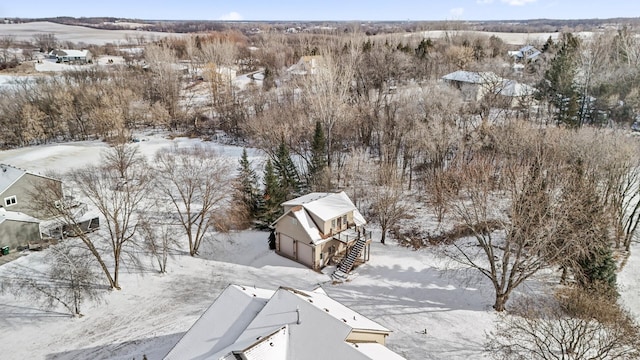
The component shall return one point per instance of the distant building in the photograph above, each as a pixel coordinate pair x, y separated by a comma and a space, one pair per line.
476, 85
286, 324
71, 56
526, 53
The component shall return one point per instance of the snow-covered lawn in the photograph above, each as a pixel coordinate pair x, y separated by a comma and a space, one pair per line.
435, 309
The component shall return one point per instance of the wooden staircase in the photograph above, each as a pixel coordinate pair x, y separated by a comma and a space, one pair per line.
345, 266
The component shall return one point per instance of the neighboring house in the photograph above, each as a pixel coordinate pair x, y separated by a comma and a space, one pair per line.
307, 65
251, 323
527, 53
18, 229
320, 227
517, 94
71, 56
17, 187
476, 85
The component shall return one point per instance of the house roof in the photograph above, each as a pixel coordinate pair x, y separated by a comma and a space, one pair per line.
515, 89
282, 324
473, 77
10, 174
528, 52
16, 216
327, 206
70, 53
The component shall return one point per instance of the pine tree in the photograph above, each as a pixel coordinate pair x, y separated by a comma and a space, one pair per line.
272, 197
287, 173
316, 175
247, 192
558, 85
599, 271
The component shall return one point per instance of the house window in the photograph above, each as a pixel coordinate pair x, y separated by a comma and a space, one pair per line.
11, 200
294, 221
344, 220
333, 223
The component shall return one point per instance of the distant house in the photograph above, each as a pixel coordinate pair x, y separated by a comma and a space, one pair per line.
71, 56
286, 324
17, 188
320, 227
476, 85
17, 229
307, 65
526, 53
516, 94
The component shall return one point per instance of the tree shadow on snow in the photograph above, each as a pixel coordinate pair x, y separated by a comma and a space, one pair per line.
153, 348
398, 290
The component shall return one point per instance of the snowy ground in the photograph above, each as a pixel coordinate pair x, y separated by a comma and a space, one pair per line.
435, 309
78, 34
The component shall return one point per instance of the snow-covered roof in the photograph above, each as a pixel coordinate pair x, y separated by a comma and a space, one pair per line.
376, 351
515, 89
307, 223
326, 206
290, 324
70, 53
528, 52
473, 77
9, 175
16, 216
222, 323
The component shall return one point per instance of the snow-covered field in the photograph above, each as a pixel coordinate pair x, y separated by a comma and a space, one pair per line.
435, 309
77, 34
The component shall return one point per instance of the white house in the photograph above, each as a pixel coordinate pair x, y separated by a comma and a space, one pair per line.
320, 227
71, 56
286, 324
526, 53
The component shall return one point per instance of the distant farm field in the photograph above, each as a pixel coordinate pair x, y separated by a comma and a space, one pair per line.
77, 34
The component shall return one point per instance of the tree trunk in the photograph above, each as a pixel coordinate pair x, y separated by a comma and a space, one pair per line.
501, 300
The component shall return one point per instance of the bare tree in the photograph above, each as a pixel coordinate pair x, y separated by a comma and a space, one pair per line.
159, 237
508, 206
119, 199
580, 327
388, 207
45, 41
6, 42
198, 182
69, 280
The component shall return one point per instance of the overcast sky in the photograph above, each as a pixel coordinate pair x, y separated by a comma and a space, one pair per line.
325, 9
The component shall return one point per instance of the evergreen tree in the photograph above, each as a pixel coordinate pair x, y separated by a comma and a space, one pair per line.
316, 176
558, 85
285, 169
599, 271
272, 197
247, 192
